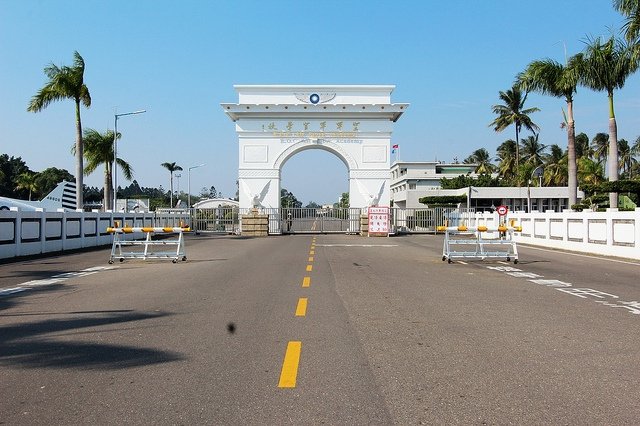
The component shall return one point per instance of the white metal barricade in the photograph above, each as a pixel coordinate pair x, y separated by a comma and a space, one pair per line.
145, 249
462, 242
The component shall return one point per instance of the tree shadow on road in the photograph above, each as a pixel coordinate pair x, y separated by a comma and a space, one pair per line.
31, 344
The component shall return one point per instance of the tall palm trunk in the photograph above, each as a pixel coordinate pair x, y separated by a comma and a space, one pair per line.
79, 159
171, 190
517, 170
613, 152
107, 187
571, 153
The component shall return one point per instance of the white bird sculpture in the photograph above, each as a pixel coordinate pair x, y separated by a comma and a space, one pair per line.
373, 200
256, 199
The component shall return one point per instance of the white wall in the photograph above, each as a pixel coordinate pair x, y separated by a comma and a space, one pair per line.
24, 233
610, 233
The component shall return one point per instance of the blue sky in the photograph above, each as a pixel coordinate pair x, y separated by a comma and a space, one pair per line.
180, 60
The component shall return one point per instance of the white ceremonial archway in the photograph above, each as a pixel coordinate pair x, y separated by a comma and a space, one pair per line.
276, 122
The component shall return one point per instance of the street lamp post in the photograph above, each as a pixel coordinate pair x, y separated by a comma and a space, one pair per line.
189, 195
115, 154
189, 182
178, 176
538, 172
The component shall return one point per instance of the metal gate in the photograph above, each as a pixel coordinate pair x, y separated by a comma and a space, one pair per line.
425, 220
226, 219
223, 220
313, 220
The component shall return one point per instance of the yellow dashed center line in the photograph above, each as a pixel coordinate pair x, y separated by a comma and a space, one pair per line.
310, 258
289, 372
306, 281
301, 309
309, 268
312, 252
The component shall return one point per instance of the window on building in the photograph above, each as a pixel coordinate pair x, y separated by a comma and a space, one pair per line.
412, 186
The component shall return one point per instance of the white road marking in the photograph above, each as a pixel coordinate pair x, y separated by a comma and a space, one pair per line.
55, 279
583, 293
8, 291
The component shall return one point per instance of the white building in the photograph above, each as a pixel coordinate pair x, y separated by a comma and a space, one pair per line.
411, 181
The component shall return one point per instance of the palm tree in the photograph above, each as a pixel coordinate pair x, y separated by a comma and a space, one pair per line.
512, 112
582, 146
507, 160
600, 147
27, 181
172, 167
555, 167
533, 151
482, 160
98, 150
549, 77
631, 9
625, 157
635, 150
590, 172
66, 83
605, 66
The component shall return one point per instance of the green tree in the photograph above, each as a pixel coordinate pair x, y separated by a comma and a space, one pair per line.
625, 157
344, 200
549, 77
582, 146
630, 9
605, 66
50, 177
590, 171
507, 160
512, 112
288, 200
27, 181
66, 83
600, 147
172, 167
10, 168
92, 195
635, 151
482, 159
533, 151
555, 167
98, 151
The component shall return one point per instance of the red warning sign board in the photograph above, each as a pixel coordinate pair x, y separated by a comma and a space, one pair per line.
379, 221
502, 210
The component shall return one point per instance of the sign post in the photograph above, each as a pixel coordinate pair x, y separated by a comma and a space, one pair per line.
378, 221
502, 210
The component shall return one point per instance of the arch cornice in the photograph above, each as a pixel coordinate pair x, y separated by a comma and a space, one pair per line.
310, 143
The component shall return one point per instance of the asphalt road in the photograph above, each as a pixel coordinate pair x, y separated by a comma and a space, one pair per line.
391, 334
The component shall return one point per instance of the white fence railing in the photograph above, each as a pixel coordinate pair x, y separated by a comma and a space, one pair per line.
611, 233
24, 233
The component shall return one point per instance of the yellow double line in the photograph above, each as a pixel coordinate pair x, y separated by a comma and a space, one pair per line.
289, 372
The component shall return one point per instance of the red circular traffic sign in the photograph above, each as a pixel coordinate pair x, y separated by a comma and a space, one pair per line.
502, 210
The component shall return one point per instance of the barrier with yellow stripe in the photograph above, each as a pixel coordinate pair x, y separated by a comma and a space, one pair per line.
145, 249
468, 242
